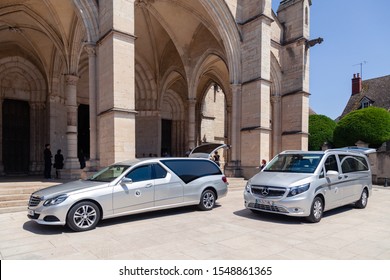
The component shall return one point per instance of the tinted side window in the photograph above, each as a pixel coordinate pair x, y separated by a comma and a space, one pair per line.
141, 173
331, 163
353, 163
159, 172
189, 170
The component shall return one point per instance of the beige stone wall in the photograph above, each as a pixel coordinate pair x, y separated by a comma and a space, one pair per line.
181, 47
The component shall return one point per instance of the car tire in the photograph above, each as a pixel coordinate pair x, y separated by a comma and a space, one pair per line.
83, 216
362, 202
316, 211
207, 200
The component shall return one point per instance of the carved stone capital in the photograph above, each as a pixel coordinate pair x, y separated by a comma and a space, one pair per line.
90, 49
71, 80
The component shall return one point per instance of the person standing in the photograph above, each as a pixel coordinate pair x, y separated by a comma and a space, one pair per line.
216, 158
58, 163
263, 164
82, 159
47, 156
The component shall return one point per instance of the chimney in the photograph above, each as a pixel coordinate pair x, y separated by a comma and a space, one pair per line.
356, 84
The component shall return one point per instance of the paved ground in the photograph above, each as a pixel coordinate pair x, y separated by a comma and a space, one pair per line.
228, 232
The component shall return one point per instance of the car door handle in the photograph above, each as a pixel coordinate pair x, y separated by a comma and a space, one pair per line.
149, 186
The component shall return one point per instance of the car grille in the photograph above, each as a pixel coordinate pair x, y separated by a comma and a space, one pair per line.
266, 207
265, 191
34, 201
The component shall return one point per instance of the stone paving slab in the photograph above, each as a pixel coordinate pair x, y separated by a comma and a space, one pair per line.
228, 232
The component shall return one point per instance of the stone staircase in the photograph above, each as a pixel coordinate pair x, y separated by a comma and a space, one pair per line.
236, 183
14, 196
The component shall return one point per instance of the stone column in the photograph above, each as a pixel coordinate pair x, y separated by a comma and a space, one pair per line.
1, 135
233, 168
37, 132
191, 123
256, 20
116, 84
72, 165
92, 164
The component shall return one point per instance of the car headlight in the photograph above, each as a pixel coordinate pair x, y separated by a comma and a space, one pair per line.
248, 187
56, 200
298, 190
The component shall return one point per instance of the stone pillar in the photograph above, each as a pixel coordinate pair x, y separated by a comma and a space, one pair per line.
92, 164
191, 123
256, 20
233, 168
295, 58
1, 135
37, 132
116, 85
72, 165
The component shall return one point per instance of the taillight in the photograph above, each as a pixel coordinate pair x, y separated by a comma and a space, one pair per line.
224, 179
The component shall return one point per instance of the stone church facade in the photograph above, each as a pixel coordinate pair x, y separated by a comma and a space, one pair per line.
131, 78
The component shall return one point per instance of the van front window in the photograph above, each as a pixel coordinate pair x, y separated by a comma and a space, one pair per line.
294, 163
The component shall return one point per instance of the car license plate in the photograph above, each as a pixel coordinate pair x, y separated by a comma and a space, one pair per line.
264, 201
31, 212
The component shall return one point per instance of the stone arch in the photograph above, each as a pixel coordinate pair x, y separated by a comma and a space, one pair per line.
21, 80
89, 13
145, 86
207, 72
227, 27
32, 75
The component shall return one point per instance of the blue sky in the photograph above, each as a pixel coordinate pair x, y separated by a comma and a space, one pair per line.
354, 32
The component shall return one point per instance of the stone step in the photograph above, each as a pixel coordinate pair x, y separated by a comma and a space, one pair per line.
13, 203
19, 190
13, 209
17, 196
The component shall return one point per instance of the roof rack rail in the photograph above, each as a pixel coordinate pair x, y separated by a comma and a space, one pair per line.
357, 149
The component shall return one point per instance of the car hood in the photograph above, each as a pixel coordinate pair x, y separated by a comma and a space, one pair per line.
280, 179
67, 188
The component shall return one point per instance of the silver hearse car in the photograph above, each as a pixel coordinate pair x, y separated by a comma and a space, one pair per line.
305, 184
127, 188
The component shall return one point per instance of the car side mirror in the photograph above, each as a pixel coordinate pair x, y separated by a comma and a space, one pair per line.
332, 174
126, 180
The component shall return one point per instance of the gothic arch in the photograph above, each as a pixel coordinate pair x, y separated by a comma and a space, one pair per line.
21, 80
89, 14
145, 86
35, 80
228, 30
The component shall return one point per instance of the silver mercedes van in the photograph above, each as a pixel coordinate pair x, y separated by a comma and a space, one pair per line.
308, 183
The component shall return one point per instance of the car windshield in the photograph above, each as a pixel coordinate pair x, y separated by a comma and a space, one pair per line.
109, 173
294, 163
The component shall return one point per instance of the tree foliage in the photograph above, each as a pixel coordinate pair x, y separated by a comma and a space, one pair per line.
370, 125
321, 130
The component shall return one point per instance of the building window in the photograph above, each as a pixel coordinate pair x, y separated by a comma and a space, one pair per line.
365, 102
306, 16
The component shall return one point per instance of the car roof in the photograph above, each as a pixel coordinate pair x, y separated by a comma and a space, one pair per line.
351, 149
152, 159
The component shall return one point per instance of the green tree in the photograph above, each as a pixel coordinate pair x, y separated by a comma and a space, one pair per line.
370, 125
320, 131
